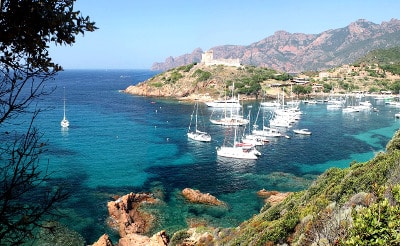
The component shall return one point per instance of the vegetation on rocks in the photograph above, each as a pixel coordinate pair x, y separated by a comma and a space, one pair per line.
213, 81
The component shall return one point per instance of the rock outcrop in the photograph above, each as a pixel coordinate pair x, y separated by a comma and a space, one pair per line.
125, 215
133, 239
104, 240
273, 197
189, 86
196, 196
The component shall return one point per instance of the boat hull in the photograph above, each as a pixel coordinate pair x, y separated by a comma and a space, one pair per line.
202, 137
236, 152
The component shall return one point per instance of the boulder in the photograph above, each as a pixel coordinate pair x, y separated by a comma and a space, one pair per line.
103, 241
196, 196
273, 197
277, 198
265, 193
133, 239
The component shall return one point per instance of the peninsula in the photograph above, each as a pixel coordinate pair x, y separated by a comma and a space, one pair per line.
213, 79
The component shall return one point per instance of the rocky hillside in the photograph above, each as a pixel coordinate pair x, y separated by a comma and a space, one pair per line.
294, 52
197, 81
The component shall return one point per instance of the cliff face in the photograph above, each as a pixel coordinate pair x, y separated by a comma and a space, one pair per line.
185, 59
294, 52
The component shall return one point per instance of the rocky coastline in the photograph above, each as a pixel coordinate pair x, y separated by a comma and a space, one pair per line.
132, 223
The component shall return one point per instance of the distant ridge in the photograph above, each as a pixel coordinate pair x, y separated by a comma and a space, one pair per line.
296, 52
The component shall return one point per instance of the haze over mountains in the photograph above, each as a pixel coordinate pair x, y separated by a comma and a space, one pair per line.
296, 52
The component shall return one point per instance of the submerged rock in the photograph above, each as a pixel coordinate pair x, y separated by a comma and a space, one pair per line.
196, 196
55, 233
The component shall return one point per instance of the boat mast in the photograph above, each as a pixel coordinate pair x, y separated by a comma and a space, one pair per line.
197, 108
64, 103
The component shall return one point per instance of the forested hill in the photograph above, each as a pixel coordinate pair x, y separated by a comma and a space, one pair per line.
388, 59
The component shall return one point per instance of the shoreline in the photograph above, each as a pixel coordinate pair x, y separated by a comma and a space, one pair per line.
207, 98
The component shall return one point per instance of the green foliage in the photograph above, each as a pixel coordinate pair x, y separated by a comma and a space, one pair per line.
202, 75
157, 84
186, 68
395, 86
282, 228
260, 74
248, 85
393, 68
301, 90
327, 87
179, 237
382, 56
174, 77
378, 224
373, 89
28, 27
58, 235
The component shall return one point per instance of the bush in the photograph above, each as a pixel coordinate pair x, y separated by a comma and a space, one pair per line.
179, 237
378, 224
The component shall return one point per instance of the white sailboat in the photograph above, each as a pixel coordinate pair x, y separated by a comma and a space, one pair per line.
265, 131
196, 134
238, 150
234, 118
64, 121
250, 138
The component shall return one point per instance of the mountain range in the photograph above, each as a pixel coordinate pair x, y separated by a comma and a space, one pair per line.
297, 52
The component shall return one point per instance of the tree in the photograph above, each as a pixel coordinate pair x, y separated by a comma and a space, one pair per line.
301, 89
27, 28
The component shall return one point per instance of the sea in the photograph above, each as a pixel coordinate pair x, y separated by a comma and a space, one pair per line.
119, 143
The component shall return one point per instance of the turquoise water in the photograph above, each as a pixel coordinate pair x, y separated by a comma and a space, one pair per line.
119, 143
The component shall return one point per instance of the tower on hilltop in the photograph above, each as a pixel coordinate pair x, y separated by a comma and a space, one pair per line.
207, 59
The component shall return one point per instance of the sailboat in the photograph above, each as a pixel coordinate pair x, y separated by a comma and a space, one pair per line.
250, 138
64, 121
265, 131
238, 150
196, 134
234, 119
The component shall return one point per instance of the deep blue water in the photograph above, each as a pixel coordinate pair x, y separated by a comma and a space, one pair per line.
119, 143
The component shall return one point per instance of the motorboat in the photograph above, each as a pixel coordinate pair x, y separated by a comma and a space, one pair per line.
228, 103
302, 131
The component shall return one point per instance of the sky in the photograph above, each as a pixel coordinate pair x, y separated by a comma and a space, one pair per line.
133, 34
